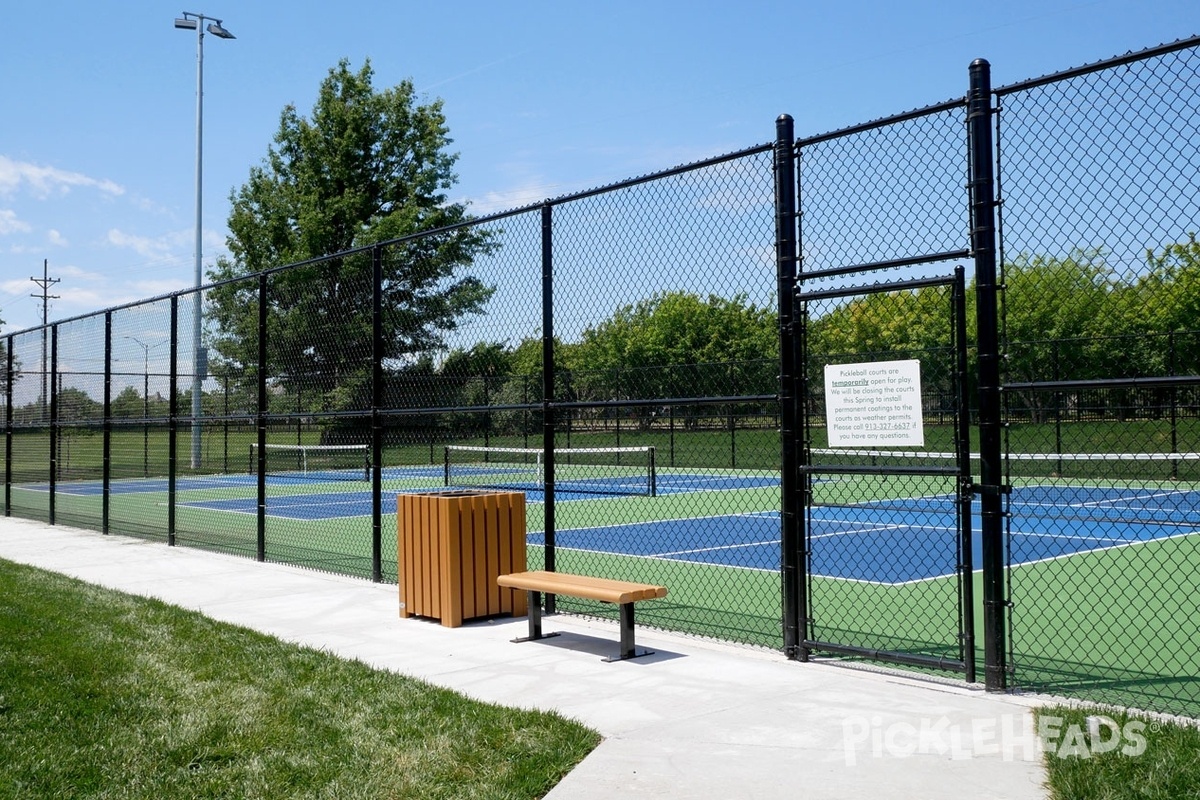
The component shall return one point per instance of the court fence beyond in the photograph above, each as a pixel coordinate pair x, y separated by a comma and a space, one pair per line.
922, 391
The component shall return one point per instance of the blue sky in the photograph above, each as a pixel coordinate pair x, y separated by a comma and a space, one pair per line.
97, 150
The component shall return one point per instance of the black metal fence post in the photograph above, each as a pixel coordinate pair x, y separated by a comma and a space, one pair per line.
962, 436
173, 422
8, 428
548, 388
224, 428
376, 418
991, 477
260, 424
1173, 369
792, 562
106, 455
55, 466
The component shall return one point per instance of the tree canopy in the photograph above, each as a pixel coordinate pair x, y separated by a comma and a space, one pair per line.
364, 167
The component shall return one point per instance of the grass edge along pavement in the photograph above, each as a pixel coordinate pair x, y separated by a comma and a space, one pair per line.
1100, 753
104, 694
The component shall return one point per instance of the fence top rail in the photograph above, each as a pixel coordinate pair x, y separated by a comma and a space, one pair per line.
1099, 66
883, 122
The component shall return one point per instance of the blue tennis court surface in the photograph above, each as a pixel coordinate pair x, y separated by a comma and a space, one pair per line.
888, 542
667, 483
333, 505
892, 551
192, 482
143, 485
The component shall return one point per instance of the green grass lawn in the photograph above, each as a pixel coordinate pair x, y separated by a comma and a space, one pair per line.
105, 695
1148, 760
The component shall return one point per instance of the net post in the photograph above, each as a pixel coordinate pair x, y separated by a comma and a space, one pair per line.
653, 474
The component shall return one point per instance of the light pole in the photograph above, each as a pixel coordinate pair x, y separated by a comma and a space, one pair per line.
193, 21
146, 348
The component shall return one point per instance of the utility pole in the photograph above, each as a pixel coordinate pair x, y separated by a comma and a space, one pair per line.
45, 283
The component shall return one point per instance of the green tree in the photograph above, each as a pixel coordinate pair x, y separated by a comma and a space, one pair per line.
1169, 303
677, 344
1051, 307
75, 405
366, 167
1150, 326
473, 377
885, 326
490, 359
129, 404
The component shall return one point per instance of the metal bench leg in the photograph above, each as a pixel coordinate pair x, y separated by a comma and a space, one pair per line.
627, 648
535, 619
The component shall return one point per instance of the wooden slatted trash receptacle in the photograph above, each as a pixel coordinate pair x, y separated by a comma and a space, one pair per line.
451, 547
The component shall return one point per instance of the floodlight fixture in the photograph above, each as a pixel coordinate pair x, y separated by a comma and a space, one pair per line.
216, 30
190, 24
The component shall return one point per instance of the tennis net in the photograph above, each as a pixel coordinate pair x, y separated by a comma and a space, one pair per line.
591, 470
316, 462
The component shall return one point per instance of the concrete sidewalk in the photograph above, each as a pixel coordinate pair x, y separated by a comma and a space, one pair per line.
697, 719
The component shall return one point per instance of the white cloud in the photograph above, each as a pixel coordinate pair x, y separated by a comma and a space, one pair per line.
149, 206
10, 224
15, 287
532, 191
55, 238
144, 246
77, 273
44, 181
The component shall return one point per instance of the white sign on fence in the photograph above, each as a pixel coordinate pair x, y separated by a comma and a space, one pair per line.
877, 404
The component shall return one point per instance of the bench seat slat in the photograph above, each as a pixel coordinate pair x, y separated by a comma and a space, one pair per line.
592, 588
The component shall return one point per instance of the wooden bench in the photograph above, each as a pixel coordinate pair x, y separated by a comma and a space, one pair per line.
622, 593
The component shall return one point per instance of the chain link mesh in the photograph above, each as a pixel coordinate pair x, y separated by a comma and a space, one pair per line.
663, 329
1101, 271
664, 298
879, 207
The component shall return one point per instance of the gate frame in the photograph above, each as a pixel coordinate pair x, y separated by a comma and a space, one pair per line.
961, 472
982, 205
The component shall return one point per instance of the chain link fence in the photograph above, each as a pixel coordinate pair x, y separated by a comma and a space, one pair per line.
1101, 271
638, 360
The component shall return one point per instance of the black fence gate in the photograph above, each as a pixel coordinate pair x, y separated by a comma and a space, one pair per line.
885, 478
878, 374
